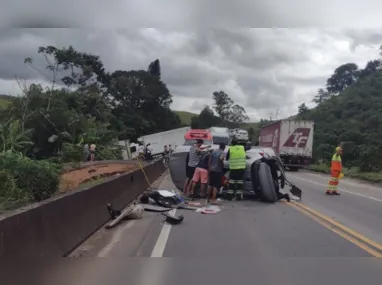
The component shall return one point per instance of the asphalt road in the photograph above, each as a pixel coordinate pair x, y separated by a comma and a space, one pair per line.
247, 241
359, 207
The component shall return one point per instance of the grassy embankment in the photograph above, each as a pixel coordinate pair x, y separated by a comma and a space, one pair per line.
375, 177
5, 101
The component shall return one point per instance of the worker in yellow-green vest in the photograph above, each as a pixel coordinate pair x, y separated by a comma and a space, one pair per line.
237, 164
335, 172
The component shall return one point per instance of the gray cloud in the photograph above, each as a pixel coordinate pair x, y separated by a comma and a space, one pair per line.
190, 14
263, 70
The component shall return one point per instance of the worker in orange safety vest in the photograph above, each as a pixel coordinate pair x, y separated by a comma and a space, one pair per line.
335, 172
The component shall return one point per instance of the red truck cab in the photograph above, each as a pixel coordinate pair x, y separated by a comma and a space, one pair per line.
194, 134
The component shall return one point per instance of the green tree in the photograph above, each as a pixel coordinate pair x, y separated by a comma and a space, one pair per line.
154, 68
207, 118
344, 76
223, 105
321, 96
237, 115
302, 109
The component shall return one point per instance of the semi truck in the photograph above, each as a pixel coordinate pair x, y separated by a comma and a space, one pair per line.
291, 139
157, 141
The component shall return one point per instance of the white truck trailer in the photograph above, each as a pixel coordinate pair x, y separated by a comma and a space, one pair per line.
157, 141
291, 139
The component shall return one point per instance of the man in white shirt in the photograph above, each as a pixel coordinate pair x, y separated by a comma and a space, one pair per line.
141, 151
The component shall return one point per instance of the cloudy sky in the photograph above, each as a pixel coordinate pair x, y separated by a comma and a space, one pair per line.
261, 69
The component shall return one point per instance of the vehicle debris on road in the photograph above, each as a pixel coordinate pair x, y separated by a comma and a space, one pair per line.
132, 212
172, 219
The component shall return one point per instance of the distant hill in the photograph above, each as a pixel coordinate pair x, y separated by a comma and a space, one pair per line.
5, 100
185, 117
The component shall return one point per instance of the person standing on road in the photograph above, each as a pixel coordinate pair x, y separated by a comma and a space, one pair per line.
236, 157
335, 172
201, 175
148, 151
215, 167
192, 161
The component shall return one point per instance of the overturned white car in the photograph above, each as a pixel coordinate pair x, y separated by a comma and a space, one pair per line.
263, 178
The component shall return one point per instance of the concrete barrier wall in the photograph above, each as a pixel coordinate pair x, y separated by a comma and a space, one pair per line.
55, 227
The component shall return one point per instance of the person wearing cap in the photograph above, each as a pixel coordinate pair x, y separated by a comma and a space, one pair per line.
335, 172
236, 157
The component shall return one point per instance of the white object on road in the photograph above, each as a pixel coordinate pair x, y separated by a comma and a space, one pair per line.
166, 193
209, 210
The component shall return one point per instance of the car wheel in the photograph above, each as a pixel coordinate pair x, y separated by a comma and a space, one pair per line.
267, 188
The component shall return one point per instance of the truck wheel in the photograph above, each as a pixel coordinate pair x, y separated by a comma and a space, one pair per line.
294, 169
266, 184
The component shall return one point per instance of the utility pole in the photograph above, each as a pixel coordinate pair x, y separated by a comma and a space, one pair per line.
277, 114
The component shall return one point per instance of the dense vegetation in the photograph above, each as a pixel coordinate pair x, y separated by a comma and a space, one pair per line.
349, 110
44, 127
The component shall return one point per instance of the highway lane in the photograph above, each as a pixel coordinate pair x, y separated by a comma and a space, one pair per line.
271, 243
359, 207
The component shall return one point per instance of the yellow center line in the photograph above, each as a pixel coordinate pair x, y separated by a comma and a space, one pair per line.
341, 226
339, 229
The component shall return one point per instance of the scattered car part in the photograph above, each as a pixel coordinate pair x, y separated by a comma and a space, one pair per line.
136, 213
172, 219
296, 191
212, 209
113, 213
123, 215
155, 208
164, 199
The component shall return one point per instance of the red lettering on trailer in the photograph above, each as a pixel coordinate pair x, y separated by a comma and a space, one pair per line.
298, 138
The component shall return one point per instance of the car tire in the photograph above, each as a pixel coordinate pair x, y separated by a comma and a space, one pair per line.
267, 188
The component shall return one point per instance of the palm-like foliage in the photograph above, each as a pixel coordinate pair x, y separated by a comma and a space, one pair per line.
13, 138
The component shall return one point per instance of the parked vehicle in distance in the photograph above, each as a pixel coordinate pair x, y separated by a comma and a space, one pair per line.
239, 134
292, 140
218, 138
219, 130
242, 135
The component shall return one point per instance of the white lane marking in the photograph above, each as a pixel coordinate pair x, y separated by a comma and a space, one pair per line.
116, 238
342, 190
160, 245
